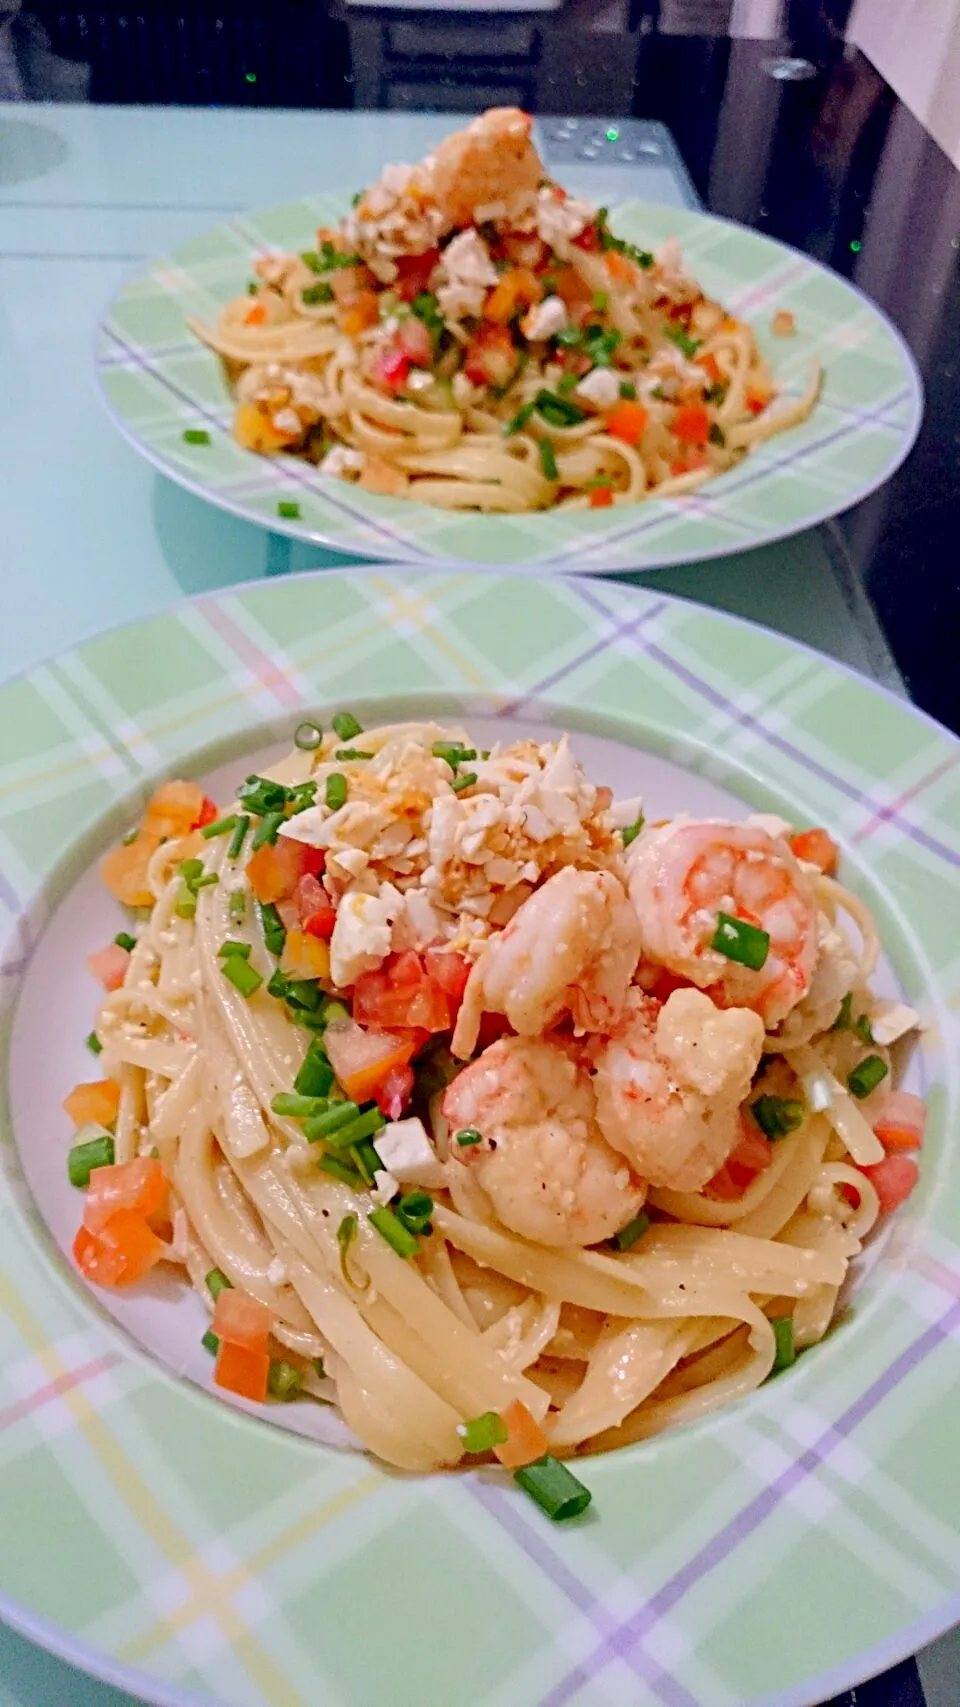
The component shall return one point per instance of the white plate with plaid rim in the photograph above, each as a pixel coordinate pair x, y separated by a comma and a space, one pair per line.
772, 1554
159, 383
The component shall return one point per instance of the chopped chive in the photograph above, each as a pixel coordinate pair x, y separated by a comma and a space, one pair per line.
266, 830
864, 1029
548, 460
196, 436
519, 420
716, 435
341, 1170
685, 344
301, 992
219, 827
345, 725
229, 946
131, 836
346, 1233
844, 1018
777, 1116
284, 1380
601, 301
365, 1166
274, 929
308, 736
566, 383
123, 939
335, 1010
211, 1342
315, 1077
414, 1210
364, 1125
867, 1075
216, 1282
465, 780
558, 411
238, 906
319, 1369
209, 880
786, 1352
93, 1043
316, 293
715, 393
483, 1433
185, 903
628, 391
555, 1489
296, 1107
395, 1233
348, 753
243, 977
237, 839
190, 869
335, 792
466, 1136
633, 1231
289, 510
339, 1115
453, 752
260, 795
740, 941
97, 1152
630, 832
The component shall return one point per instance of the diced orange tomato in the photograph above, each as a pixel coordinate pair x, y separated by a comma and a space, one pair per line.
517, 288
316, 913
109, 965
98, 1101
363, 1059
711, 367
601, 498
120, 1253
173, 809
305, 956
242, 1371
277, 867
256, 315
620, 269
525, 1440
253, 429
902, 1121
360, 315
752, 1153
349, 284
691, 424
757, 400
524, 248
138, 1186
817, 848
628, 421
207, 815
491, 357
572, 289
893, 1179
241, 1319
124, 871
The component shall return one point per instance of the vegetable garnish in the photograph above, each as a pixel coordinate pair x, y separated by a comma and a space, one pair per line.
93, 1043
96, 1151
843, 1020
395, 1233
216, 1282
259, 795
866, 1076
687, 345
525, 1440
274, 929
288, 508
864, 1029
740, 941
123, 939
364, 1125
210, 1342
335, 792
267, 830
777, 1116
630, 832
414, 1210
633, 1231
238, 906
453, 752
483, 1433
229, 946
716, 435
345, 725
219, 827
315, 1077
346, 754
241, 975
338, 1169
783, 1334
196, 436
554, 1488
517, 423
308, 736
547, 459
316, 293
284, 1381
346, 1233
628, 391
323, 1125
465, 780
557, 411
466, 1136
239, 835
296, 1107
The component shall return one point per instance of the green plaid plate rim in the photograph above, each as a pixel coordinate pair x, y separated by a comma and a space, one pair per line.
158, 382
783, 1549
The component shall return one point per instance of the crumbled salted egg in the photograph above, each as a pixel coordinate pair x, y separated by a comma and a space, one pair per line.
600, 387
343, 459
287, 421
891, 1020
464, 391
420, 380
470, 274
385, 1186
355, 824
559, 221
545, 320
626, 812
407, 1153
769, 821
361, 937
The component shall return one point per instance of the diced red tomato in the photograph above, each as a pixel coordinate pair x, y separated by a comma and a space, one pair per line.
413, 274
207, 814
97, 1102
691, 424
414, 340
601, 498
362, 1059
448, 969
893, 1179
901, 1122
242, 1371
241, 1320
757, 401
747, 1159
277, 867
395, 1091
109, 965
525, 1438
589, 238
818, 848
316, 912
401, 993
138, 1186
391, 370
120, 1253
256, 315
491, 357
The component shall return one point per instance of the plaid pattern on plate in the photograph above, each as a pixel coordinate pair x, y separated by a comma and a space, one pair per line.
774, 1553
159, 382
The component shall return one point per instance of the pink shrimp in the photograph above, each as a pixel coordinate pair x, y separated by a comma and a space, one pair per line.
684, 873
492, 160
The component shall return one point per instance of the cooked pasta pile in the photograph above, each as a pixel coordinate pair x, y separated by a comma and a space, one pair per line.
472, 337
473, 1104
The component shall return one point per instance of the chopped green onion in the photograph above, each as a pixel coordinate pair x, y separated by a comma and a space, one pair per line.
483, 1433
341, 1170
243, 977
776, 1116
554, 1488
740, 941
253, 285
296, 1107
190, 869
557, 411
601, 301
716, 435
211, 1342
864, 1029
266, 830
348, 753
365, 1160
466, 1136
274, 929
715, 393
566, 383
844, 1018
216, 1282
569, 338
633, 1231
218, 828
229, 946
237, 839
185, 902
298, 992
628, 390
312, 260
414, 1210
783, 1334
867, 1075
123, 939
548, 460
96, 1152
260, 795
308, 736
688, 346
395, 1233
340, 1114
315, 293
346, 1233
369, 1121
453, 752
209, 880
318, 1368
630, 832
288, 509
466, 780
519, 420
131, 836
345, 725
284, 1380
302, 796
238, 906
196, 436
600, 344
335, 792
93, 1043
335, 1010
316, 1074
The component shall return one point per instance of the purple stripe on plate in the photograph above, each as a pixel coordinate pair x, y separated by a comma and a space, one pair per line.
884, 814
622, 630
752, 1516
